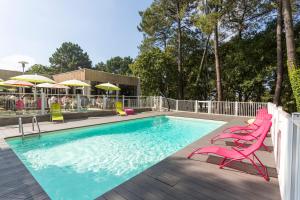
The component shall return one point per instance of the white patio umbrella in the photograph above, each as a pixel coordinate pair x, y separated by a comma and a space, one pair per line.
74, 83
61, 86
18, 83
33, 78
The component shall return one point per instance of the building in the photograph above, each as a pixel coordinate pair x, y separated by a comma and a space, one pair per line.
6, 74
130, 86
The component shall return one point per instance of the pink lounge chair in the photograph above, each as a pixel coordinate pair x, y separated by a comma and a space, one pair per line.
248, 137
260, 117
235, 154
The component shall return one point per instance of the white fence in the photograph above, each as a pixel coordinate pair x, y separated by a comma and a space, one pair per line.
212, 107
285, 134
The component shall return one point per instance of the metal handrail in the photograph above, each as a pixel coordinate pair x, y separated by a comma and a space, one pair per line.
21, 129
34, 120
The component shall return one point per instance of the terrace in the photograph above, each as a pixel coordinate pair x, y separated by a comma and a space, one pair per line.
173, 178
74, 126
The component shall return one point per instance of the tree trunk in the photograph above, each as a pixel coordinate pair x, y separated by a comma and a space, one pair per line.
289, 33
179, 56
279, 54
202, 59
293, 69
217, 64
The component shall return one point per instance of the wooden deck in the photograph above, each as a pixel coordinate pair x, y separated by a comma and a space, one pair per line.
173, 178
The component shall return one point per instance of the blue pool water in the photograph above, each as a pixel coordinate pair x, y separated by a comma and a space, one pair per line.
84, 163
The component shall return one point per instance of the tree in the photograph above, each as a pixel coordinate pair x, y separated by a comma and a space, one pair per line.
69, 57
163, 23
154, 68
116, 65
39, 69
208, 22
293, 68
155, 26
280, 66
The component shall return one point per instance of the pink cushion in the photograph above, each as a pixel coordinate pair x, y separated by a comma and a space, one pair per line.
129, 111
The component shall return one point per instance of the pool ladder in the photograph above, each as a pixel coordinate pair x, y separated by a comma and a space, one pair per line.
34, 121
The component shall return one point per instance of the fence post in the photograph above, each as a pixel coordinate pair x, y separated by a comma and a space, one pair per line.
209, 107
78, 102
43, 101
236, 108
123, 101
160, 103
176, 105
138, 101
196, 106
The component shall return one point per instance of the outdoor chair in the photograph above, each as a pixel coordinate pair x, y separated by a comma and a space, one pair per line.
236, 154
55, 112
119, 109
251, 136
261, 115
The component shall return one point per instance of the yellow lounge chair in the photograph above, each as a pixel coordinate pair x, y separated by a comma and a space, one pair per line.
119, 108
56, 113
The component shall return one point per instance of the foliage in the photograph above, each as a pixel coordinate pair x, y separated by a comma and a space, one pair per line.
294, 75
69, 57
39, 69
154, 67
247, 50
116, 65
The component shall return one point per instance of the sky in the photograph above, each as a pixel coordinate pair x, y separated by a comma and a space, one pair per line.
31, 30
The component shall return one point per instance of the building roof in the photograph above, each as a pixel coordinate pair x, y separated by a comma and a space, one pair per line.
96, 75
6, 74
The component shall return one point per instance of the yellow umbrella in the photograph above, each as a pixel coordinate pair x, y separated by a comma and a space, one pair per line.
108, 87
33, 78
75, 83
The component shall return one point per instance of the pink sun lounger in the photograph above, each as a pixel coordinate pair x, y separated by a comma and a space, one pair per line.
236, 154
262, 115
251, 136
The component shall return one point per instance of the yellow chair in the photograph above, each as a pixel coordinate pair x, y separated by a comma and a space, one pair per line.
119, 108
56, 114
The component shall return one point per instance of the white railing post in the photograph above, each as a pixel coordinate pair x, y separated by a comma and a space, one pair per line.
123, 101
196, 106
160, 103
176, 105
295, 160
138, 102
43, 101
236, 108
209, 107
78, 102
104, 101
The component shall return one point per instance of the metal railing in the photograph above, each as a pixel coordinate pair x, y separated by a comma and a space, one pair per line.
19, 104
247, 109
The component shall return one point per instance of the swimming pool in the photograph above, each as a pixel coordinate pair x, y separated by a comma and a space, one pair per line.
84, 163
